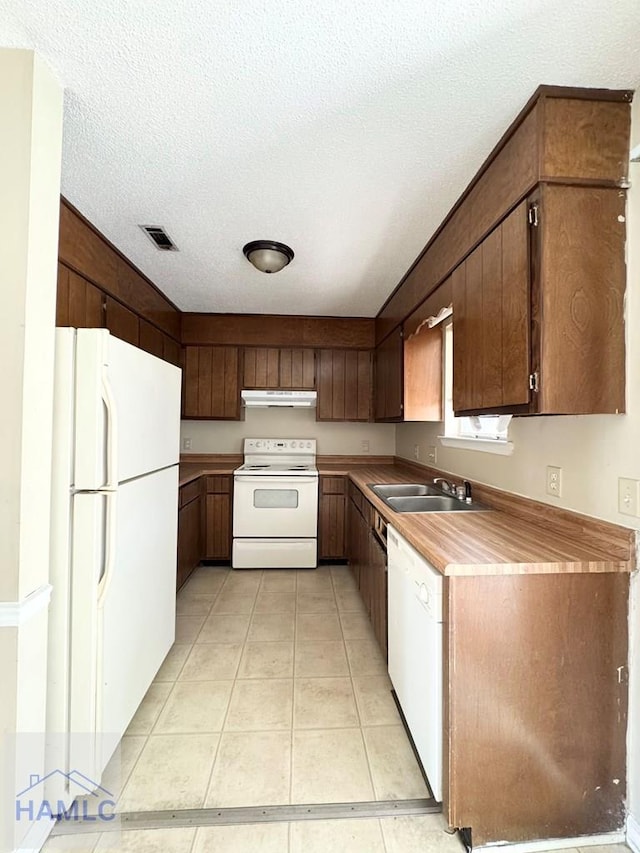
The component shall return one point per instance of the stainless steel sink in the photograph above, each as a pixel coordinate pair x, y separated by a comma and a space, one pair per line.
389, 490
431, 503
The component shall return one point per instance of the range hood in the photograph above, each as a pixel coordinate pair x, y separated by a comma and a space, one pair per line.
293, 399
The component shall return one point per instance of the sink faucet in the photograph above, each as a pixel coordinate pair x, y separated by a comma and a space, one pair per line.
446, 485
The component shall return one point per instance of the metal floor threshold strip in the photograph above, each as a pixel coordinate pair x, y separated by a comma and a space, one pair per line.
174, 818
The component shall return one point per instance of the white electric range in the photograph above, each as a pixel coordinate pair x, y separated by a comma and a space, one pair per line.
275, 505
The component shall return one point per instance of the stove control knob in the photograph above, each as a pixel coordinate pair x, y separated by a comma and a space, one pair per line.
308, 444
258, 444
293, 443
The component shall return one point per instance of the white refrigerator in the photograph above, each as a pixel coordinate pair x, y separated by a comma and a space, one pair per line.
113, 545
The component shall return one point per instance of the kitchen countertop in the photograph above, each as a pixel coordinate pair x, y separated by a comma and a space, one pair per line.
483, 543
192, 470
457, 543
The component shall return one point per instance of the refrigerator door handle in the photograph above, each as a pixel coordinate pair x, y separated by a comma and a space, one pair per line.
109, 553
111, 448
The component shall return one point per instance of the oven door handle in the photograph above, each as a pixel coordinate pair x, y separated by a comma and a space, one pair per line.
285, 481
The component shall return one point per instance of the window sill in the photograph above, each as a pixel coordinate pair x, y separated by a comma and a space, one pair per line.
484, 445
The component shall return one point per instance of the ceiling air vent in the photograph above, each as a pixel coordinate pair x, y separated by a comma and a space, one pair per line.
159, 238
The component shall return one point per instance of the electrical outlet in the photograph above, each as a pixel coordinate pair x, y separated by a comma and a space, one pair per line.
365, 446
431, 454
628, 497
554, 481
186, 444
416, 451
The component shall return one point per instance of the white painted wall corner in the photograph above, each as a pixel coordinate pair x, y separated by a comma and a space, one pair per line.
633, 834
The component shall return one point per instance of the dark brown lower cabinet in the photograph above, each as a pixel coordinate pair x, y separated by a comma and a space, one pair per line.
535, 680
217, 511
332, 518
189, 531
368, 562
378, 569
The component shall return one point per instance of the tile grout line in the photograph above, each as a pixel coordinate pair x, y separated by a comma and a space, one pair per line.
361, 728
148, 734
231, 693
204, 622
217, 749
293, 695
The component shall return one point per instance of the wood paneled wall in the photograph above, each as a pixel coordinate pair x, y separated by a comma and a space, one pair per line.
278, 331
86, 254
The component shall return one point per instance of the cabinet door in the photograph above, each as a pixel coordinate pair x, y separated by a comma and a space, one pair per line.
171, 350
344, 385
122, 323
261, 367
353, 540
189, 540
378, 562
580, 300
332, 518
492, 320
389, 382
365, 582
211, 383
423, 380
297, 371
79, 303
151, 339
218, 527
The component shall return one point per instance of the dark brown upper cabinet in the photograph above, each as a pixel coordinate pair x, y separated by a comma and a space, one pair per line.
122, 323
538, 308
79, 303
344, 385
492, 319
211, 383
279, 368
389, 378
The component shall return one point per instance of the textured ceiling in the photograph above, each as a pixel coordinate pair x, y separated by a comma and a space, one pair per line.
346, 130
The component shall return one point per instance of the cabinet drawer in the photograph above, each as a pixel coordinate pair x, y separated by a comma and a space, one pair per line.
333, 485
189, 492
218, 485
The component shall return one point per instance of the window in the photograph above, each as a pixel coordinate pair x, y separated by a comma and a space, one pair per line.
488, 433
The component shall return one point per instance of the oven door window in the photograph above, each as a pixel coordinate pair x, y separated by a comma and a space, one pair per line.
275, 498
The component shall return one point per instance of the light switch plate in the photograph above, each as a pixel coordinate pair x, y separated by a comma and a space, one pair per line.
432, 456
365, 446
628, 496
186, 444
554, 481
416, 451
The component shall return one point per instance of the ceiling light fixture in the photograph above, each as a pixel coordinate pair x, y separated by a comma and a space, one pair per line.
268, 256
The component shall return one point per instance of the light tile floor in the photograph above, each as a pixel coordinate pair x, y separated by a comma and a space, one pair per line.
275, 692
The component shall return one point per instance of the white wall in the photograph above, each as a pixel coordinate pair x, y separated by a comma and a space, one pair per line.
338, 438
31, 142
593, 451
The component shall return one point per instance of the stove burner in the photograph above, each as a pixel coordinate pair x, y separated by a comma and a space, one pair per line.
256, 467
299, 468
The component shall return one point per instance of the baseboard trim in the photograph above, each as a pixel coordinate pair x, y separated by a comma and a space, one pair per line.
633, 834
556, 843
16, 613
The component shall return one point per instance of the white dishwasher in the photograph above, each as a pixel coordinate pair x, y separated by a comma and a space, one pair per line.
415, 650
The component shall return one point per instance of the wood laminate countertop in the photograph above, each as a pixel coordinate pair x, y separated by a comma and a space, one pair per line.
192, 470
483, 543
492, 542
